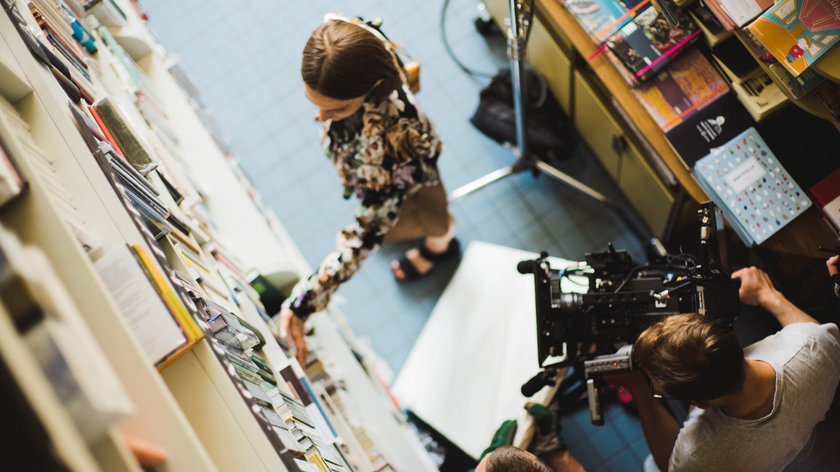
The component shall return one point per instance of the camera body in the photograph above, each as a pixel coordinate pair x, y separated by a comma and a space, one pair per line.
624, 298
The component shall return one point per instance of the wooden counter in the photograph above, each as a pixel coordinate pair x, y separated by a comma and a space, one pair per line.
802, 237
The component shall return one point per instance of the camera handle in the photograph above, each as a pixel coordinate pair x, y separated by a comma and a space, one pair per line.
546, 377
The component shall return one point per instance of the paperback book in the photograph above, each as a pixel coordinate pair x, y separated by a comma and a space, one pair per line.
687, 85
753, 189
603, 18
760, 95
799, 32
647, 44
795, 86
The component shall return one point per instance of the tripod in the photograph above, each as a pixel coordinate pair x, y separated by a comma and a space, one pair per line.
517, 39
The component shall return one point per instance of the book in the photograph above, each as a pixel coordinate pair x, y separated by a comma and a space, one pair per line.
713, 126
132, 145
713, 30
755, 192
761, 96
828, 93
687, 85
743, 11
795, 86
647, 44
826, 195
798, 32
755, 46
59, 336
153, 324
11, 183
603, 18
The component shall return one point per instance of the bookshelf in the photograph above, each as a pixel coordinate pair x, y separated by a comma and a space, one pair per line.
68, 443
610, 91
192, 406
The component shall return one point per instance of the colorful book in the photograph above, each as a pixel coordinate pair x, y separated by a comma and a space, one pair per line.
647, 44
753, 189
603, 18
798, 32
827, 196
687, 85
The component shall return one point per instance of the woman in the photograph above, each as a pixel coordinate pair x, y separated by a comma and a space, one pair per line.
385, 150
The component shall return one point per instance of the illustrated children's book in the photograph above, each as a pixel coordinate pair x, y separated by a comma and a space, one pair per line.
755, 192
798, 32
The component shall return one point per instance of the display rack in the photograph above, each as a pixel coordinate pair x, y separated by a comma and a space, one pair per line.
191, 407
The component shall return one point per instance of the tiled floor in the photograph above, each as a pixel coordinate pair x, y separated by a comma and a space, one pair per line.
246, 56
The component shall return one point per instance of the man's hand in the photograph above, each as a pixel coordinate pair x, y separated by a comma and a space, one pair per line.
291, 324
634, 382
833, 265
756, 287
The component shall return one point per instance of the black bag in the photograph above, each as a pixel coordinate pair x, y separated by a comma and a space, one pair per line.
550, 135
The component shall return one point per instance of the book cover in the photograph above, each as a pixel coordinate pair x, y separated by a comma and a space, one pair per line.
826, 195
798, 32
714, 125
602, 18
647, 44
829, 94
796, 86
745, 178
688, 84
742, 11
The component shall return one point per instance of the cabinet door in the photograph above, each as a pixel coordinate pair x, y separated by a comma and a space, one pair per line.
551, 62
595, 125
649, 196
636, 179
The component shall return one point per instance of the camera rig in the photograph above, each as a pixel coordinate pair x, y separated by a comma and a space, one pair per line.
622, 300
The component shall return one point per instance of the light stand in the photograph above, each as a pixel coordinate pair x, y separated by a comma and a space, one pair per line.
517, 38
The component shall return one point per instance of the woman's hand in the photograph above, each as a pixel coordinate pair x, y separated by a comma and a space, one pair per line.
294, 326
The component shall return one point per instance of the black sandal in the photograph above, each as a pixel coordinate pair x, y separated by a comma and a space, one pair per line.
452, 251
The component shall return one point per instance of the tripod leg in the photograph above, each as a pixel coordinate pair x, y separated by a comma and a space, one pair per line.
480, 183
556, 174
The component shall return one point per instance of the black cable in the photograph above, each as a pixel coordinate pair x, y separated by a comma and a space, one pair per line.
451, 53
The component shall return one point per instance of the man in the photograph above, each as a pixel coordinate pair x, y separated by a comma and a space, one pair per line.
511, 459
756, 408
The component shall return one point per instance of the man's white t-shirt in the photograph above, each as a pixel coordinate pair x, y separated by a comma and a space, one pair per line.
806, 358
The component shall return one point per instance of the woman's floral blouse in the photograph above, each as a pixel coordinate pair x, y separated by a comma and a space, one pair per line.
383, 154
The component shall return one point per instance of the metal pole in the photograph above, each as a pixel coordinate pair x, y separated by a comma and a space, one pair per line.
516, 52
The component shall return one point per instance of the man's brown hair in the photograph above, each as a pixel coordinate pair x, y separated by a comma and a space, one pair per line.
344, 61
691, 357
511, 459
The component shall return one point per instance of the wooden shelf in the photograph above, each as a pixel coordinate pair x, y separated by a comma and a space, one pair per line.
829, 65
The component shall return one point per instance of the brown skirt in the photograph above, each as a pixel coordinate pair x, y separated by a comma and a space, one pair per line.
423, 214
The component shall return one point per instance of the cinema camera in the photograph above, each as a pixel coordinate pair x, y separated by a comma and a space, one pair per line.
623, 299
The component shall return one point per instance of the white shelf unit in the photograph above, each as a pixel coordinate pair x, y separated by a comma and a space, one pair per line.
36, 220
167, 414
68, 443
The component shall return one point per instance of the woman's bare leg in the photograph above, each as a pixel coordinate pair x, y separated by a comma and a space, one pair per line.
436, 244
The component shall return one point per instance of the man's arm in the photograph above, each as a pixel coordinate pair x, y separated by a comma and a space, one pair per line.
660, 428
757, 290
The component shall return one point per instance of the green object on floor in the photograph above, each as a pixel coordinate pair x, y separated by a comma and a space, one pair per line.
548, 437
502, 437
